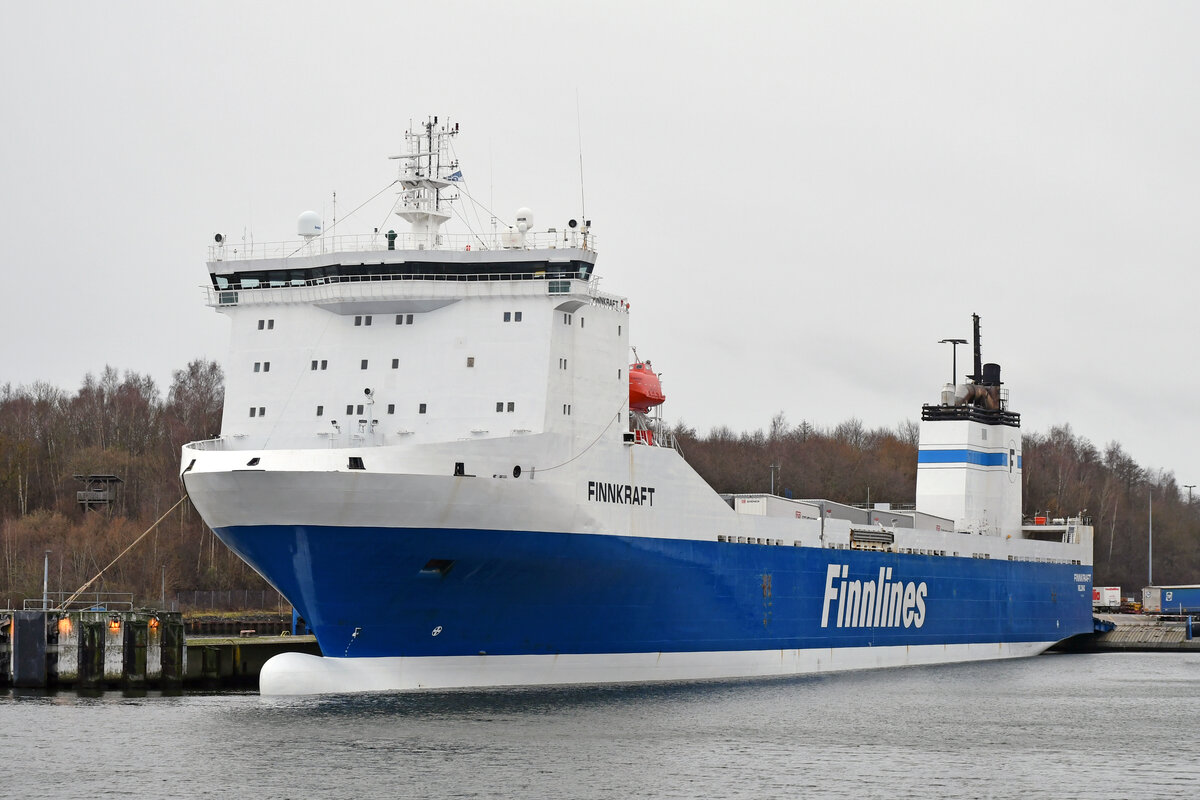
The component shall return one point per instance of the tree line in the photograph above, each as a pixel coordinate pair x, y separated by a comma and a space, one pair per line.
114, 424
121, 424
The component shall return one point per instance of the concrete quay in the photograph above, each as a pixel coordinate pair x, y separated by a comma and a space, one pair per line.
1138, 632
129, 650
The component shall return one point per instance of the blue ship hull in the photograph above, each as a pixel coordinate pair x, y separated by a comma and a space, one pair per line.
422, 592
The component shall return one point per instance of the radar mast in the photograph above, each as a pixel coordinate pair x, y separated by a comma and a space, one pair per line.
428, 172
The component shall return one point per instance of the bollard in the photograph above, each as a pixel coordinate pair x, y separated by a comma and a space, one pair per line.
29, 649
133, 658
90, 674
171, 631
5, 650
210, 663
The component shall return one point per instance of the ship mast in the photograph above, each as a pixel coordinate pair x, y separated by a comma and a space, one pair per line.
427, 171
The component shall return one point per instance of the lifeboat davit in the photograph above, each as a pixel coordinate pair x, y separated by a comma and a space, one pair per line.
645, 390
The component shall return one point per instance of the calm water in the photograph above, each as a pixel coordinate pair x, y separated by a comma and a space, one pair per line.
1094, 726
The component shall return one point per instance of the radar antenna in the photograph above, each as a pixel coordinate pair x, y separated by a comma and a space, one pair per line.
427, 175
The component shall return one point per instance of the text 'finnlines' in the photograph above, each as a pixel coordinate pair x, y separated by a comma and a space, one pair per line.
873, 604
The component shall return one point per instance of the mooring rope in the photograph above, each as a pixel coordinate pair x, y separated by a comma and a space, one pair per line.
615, 417
63, 606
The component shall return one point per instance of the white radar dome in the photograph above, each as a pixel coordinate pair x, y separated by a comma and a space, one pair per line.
524, 219
309, 224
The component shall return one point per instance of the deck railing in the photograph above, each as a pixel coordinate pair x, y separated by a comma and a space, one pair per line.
334, 287
377, 242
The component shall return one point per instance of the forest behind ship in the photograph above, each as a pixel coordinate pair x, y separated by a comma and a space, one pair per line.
124, 425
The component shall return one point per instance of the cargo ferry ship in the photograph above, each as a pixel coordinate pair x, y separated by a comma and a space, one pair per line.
437, 448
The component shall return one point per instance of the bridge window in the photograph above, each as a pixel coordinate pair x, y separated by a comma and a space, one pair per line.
395, 363
320, 411
421, 409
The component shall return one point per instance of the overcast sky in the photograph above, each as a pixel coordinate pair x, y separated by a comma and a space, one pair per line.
799, 199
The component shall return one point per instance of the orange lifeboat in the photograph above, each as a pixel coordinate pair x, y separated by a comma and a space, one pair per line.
645, 390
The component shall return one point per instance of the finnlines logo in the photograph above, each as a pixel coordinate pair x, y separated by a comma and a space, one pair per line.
622, 493
872, 604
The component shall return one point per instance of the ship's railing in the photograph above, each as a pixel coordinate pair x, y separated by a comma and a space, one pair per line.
90, 601
383, 241
651, 431
209, 444
254, 291
1041, 521
890, 506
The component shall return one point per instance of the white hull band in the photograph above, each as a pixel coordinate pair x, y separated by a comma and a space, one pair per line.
302, 674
